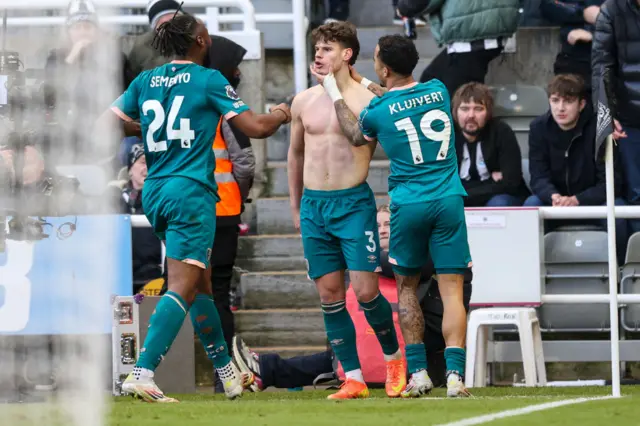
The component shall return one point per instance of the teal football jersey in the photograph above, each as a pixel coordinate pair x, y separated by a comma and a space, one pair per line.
415, 128
179, 106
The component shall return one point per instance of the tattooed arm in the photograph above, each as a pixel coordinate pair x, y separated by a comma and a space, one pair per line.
349, 124
347, 119
374, 88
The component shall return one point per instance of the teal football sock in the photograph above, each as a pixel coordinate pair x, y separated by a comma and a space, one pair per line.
206, 323
455, 359
164, 326
380, 317
416, 357
341, 334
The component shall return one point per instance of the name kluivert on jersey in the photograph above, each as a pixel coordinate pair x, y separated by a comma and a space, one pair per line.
415, 102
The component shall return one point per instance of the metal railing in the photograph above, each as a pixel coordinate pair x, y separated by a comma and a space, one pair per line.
212, 17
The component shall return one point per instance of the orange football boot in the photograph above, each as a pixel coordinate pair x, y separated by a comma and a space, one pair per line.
351, 389
396, 377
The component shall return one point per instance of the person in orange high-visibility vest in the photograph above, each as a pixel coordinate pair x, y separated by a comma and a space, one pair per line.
235, 169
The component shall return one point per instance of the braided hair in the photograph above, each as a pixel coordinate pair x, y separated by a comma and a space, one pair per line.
175, 37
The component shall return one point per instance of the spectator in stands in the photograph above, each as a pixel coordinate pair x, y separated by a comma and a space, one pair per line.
489, 159
127, 195
235, 170
70, 77
615, 61
561, 149
398, 19
338, 10
474, 32
143, 56
577, 18
273, 370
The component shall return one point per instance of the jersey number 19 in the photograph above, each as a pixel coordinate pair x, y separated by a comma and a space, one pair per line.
184, 133
443, 136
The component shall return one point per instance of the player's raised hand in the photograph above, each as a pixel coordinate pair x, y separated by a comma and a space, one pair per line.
355, 74
284, 108
329, 83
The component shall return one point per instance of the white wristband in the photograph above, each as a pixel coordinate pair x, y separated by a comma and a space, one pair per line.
331, 87
366, 82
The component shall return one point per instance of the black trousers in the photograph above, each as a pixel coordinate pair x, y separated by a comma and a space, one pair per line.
223, 257
338, 9
456, 69
301, 371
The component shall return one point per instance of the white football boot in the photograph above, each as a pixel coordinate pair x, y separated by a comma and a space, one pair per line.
455, 386
140, 383
233, 380
420, 384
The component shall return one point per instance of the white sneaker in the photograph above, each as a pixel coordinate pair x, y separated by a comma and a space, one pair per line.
419, 384
455, 386
248, 362
141, 384
233, 380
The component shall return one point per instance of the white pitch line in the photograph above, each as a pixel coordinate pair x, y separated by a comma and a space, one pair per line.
520, 411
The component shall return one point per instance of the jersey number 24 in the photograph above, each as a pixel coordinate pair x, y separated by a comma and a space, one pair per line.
184, 133
443, 136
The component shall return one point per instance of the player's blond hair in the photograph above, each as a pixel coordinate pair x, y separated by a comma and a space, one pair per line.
384, 208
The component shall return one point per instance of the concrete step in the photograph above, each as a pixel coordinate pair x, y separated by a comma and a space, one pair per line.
271, 290
269, 246
262, 264
279, 184
368, 37
271, 253
274, 215
289, 351
281, 327
371, 12
278, 144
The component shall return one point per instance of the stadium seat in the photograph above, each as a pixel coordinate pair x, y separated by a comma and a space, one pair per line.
576, 263
518, 105
630, 284
528, 327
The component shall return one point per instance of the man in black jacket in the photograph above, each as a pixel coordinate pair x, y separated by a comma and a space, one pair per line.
615, 61
225, 56
563, 169
577, 19
489, 159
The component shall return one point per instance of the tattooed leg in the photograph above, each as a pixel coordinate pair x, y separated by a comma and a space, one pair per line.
410, 314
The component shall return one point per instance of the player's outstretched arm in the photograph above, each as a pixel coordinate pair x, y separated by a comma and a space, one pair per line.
347, 119
295, 162
374, 88
260, 126
349, 124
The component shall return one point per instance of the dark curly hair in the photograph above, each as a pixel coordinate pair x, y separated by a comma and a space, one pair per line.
398, 53
344, 33
175, 37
